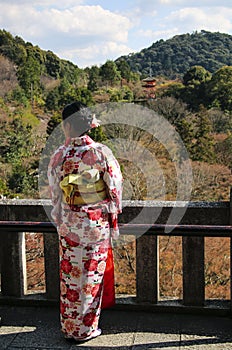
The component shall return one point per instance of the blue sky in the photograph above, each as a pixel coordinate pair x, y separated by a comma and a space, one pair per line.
88, 32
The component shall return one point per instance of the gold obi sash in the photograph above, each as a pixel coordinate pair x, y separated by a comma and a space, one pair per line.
84, 188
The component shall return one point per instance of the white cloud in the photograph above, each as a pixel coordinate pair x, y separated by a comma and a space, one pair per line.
44, 3
151, 7
195, 3
95, 54
212, 19
155, 35
90, 20
76, 21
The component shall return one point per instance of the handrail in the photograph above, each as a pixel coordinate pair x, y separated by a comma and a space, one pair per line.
129, 229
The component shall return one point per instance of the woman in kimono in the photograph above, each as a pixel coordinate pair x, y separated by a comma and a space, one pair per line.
86, 185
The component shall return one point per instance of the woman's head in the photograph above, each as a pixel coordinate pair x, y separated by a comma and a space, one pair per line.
77, 119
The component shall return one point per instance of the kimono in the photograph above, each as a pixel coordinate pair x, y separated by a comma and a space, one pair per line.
85, 229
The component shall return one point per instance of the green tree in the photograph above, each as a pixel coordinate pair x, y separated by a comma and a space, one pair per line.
203, 145
127, 94
18, 95
17, 140
219, 89
53, 122
194, 81
19, 152
93, 80
81, 94
195, 76
98, 134
172, 89
52, 64
109, 73
29, 76
66, 93
124, 69
52, 100
185, 129
21, 181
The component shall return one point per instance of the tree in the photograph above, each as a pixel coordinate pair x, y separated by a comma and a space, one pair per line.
52, 64
178, 114
219, 89
93, 74
29, 76
97, 134
124, 69
194, 81
18, 95
223, 151
52, 100
171, 108
16, 140
195, 76
66, 93
109, 73
221, 121
8, 78
53, 122
18, 151
203, 145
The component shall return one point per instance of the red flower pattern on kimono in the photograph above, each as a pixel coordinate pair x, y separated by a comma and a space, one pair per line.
72, 295
72, 239
66, 266
68, 166
91, 265
89, 319
89, 157
94, 214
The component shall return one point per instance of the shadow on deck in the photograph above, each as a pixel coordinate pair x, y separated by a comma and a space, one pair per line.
37, 328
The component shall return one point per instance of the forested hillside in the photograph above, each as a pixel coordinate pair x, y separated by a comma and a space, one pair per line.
173, 57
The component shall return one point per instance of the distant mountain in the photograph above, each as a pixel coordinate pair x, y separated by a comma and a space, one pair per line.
173, 57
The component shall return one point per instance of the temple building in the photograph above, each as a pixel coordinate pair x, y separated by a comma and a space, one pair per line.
149, 85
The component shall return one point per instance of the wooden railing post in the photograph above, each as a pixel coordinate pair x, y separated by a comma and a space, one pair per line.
193, 271
51, 262
147, 269
13, 266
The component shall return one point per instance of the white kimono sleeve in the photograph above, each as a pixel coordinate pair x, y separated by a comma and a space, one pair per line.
113, 179
53, 174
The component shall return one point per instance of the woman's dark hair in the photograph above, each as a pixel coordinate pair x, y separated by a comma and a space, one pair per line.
71, 109
79, 116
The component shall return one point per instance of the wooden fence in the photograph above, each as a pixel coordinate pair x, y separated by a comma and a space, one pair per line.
199, 220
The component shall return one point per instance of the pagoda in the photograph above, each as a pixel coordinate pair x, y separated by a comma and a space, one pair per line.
149, 85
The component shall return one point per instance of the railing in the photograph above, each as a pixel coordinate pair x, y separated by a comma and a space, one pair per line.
201, 219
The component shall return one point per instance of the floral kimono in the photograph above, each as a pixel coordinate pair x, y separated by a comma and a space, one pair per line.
86, 220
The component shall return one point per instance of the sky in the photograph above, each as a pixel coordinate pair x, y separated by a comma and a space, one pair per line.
90, 32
